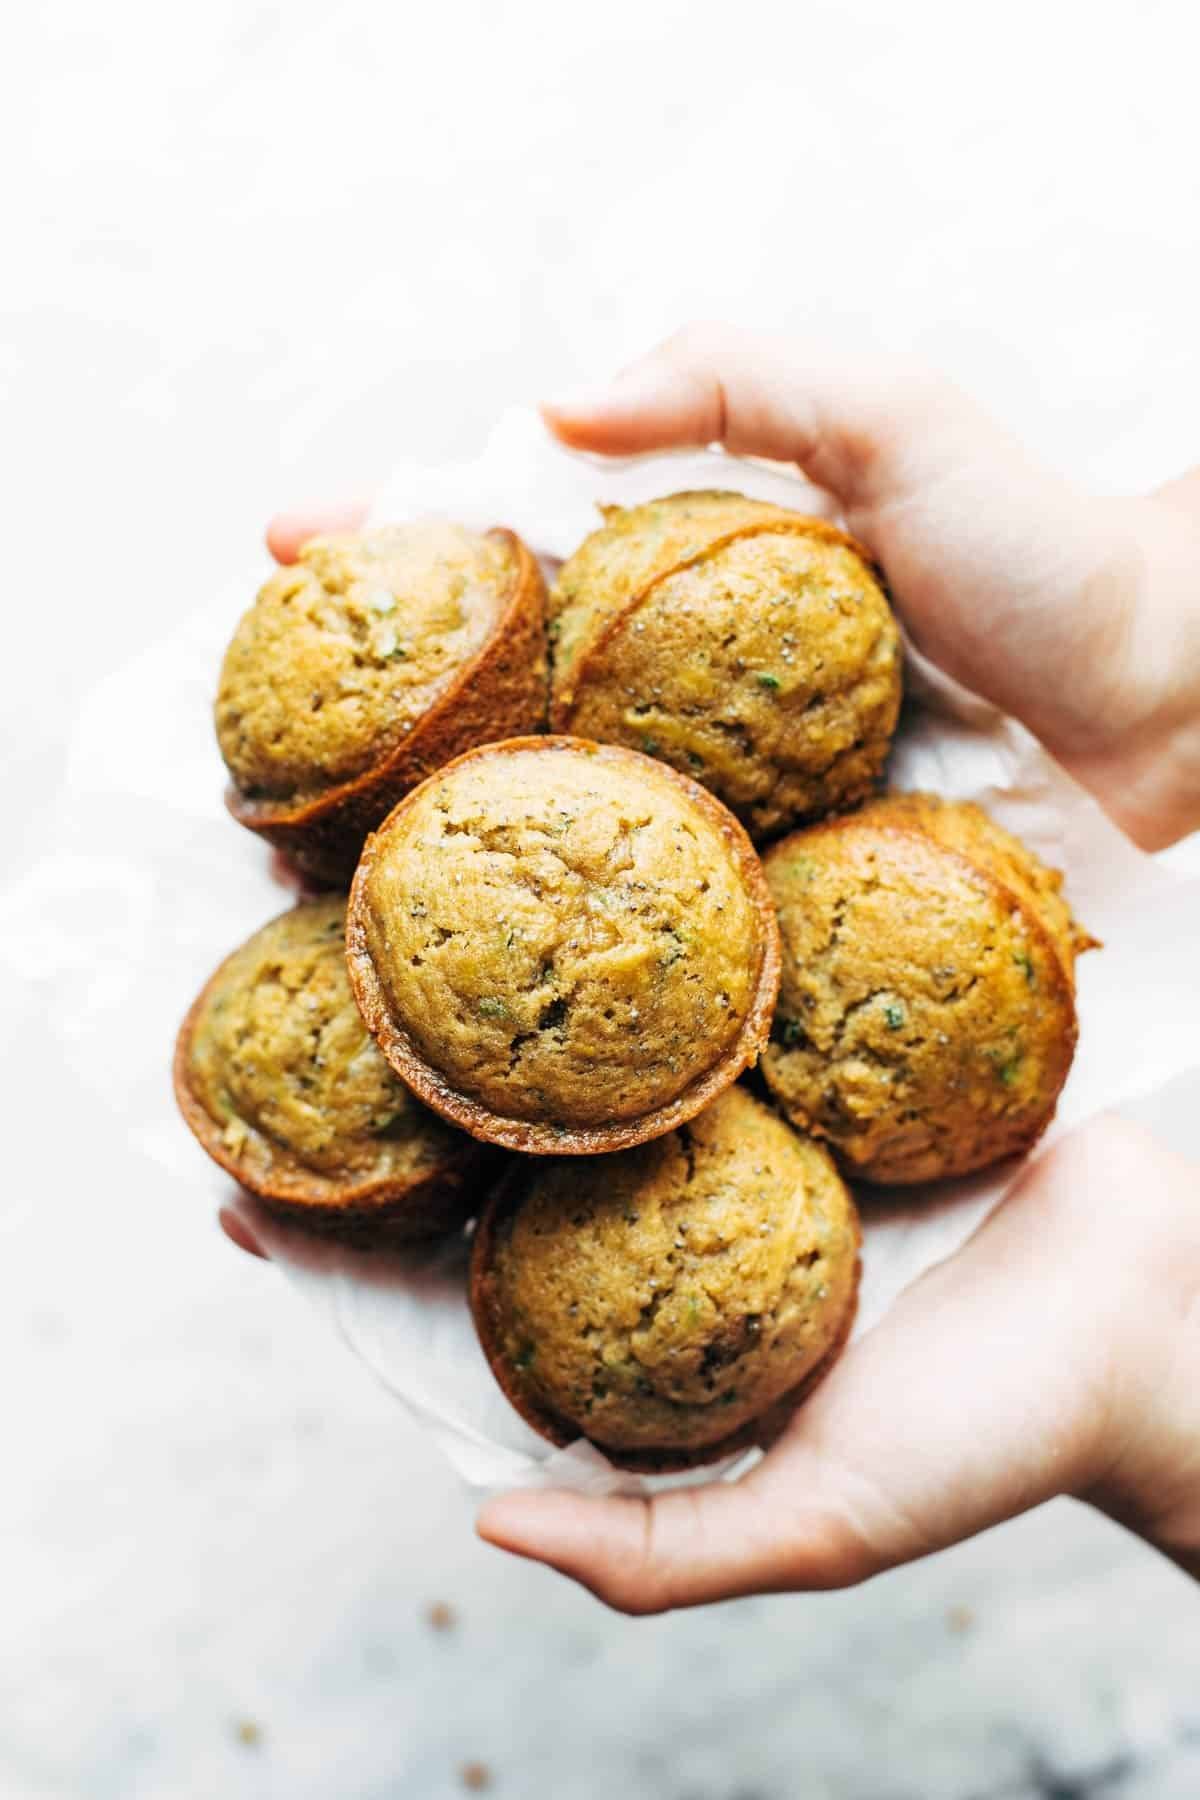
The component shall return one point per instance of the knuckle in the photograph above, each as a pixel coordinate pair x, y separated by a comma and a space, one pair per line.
635, 1591
910, 378
1106, 1154
897, 395
849, 1526
834, 1552
1106, 1135
699, 339
634, 1582
1126, 1206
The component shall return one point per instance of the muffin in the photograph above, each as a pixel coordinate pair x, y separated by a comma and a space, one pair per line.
926, 1019
366, 665
563, 946
278, 1079
676, 1301
748, 646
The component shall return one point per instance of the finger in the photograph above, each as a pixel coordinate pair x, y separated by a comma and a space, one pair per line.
239, 1233
1182, 492
865, 429
288, 532
985, 1391
681, 1548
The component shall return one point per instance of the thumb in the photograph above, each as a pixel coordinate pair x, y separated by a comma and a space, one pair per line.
982, 1393
288, 532
865, 430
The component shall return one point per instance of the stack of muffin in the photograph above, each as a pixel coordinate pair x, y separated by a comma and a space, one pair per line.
558, 953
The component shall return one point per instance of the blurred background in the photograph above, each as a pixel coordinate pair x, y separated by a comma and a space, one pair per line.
255, 254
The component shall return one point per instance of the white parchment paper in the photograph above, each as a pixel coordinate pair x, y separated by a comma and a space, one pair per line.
143, 884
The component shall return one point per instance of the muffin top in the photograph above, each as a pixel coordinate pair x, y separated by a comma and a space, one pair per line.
926, 1018
564, 933
634, 544
747, 645
343, 651
280, 1061
666, 1296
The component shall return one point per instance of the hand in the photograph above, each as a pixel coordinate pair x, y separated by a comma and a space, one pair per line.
1077, 615
1056, 1353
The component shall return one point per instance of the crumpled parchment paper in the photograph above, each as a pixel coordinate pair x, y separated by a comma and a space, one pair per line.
145, 883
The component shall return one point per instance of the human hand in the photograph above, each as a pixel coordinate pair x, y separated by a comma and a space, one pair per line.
1056, 1353
1077, 615
1051, 1355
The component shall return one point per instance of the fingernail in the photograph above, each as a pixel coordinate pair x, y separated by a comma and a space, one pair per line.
582, 402
239, 1233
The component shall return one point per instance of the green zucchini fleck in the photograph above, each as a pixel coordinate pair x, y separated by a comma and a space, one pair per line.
1008, 1063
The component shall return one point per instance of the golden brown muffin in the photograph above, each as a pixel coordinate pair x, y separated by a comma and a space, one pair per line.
673, 1302
926, 1018
281, 1084
366, 665
747, 645
563, 946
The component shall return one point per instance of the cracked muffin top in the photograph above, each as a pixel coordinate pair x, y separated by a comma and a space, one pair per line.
563, 945
282, 1083
660, 1301
747, 645
926, 1018
345, 650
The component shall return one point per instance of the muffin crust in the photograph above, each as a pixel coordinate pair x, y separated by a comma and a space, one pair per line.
363, 666
279, 1080
674, 1301
926, 1020
749, 646
563, 946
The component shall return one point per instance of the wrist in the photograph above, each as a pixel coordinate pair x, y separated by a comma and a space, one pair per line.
1145, 767
1145, 1464
1149, 781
